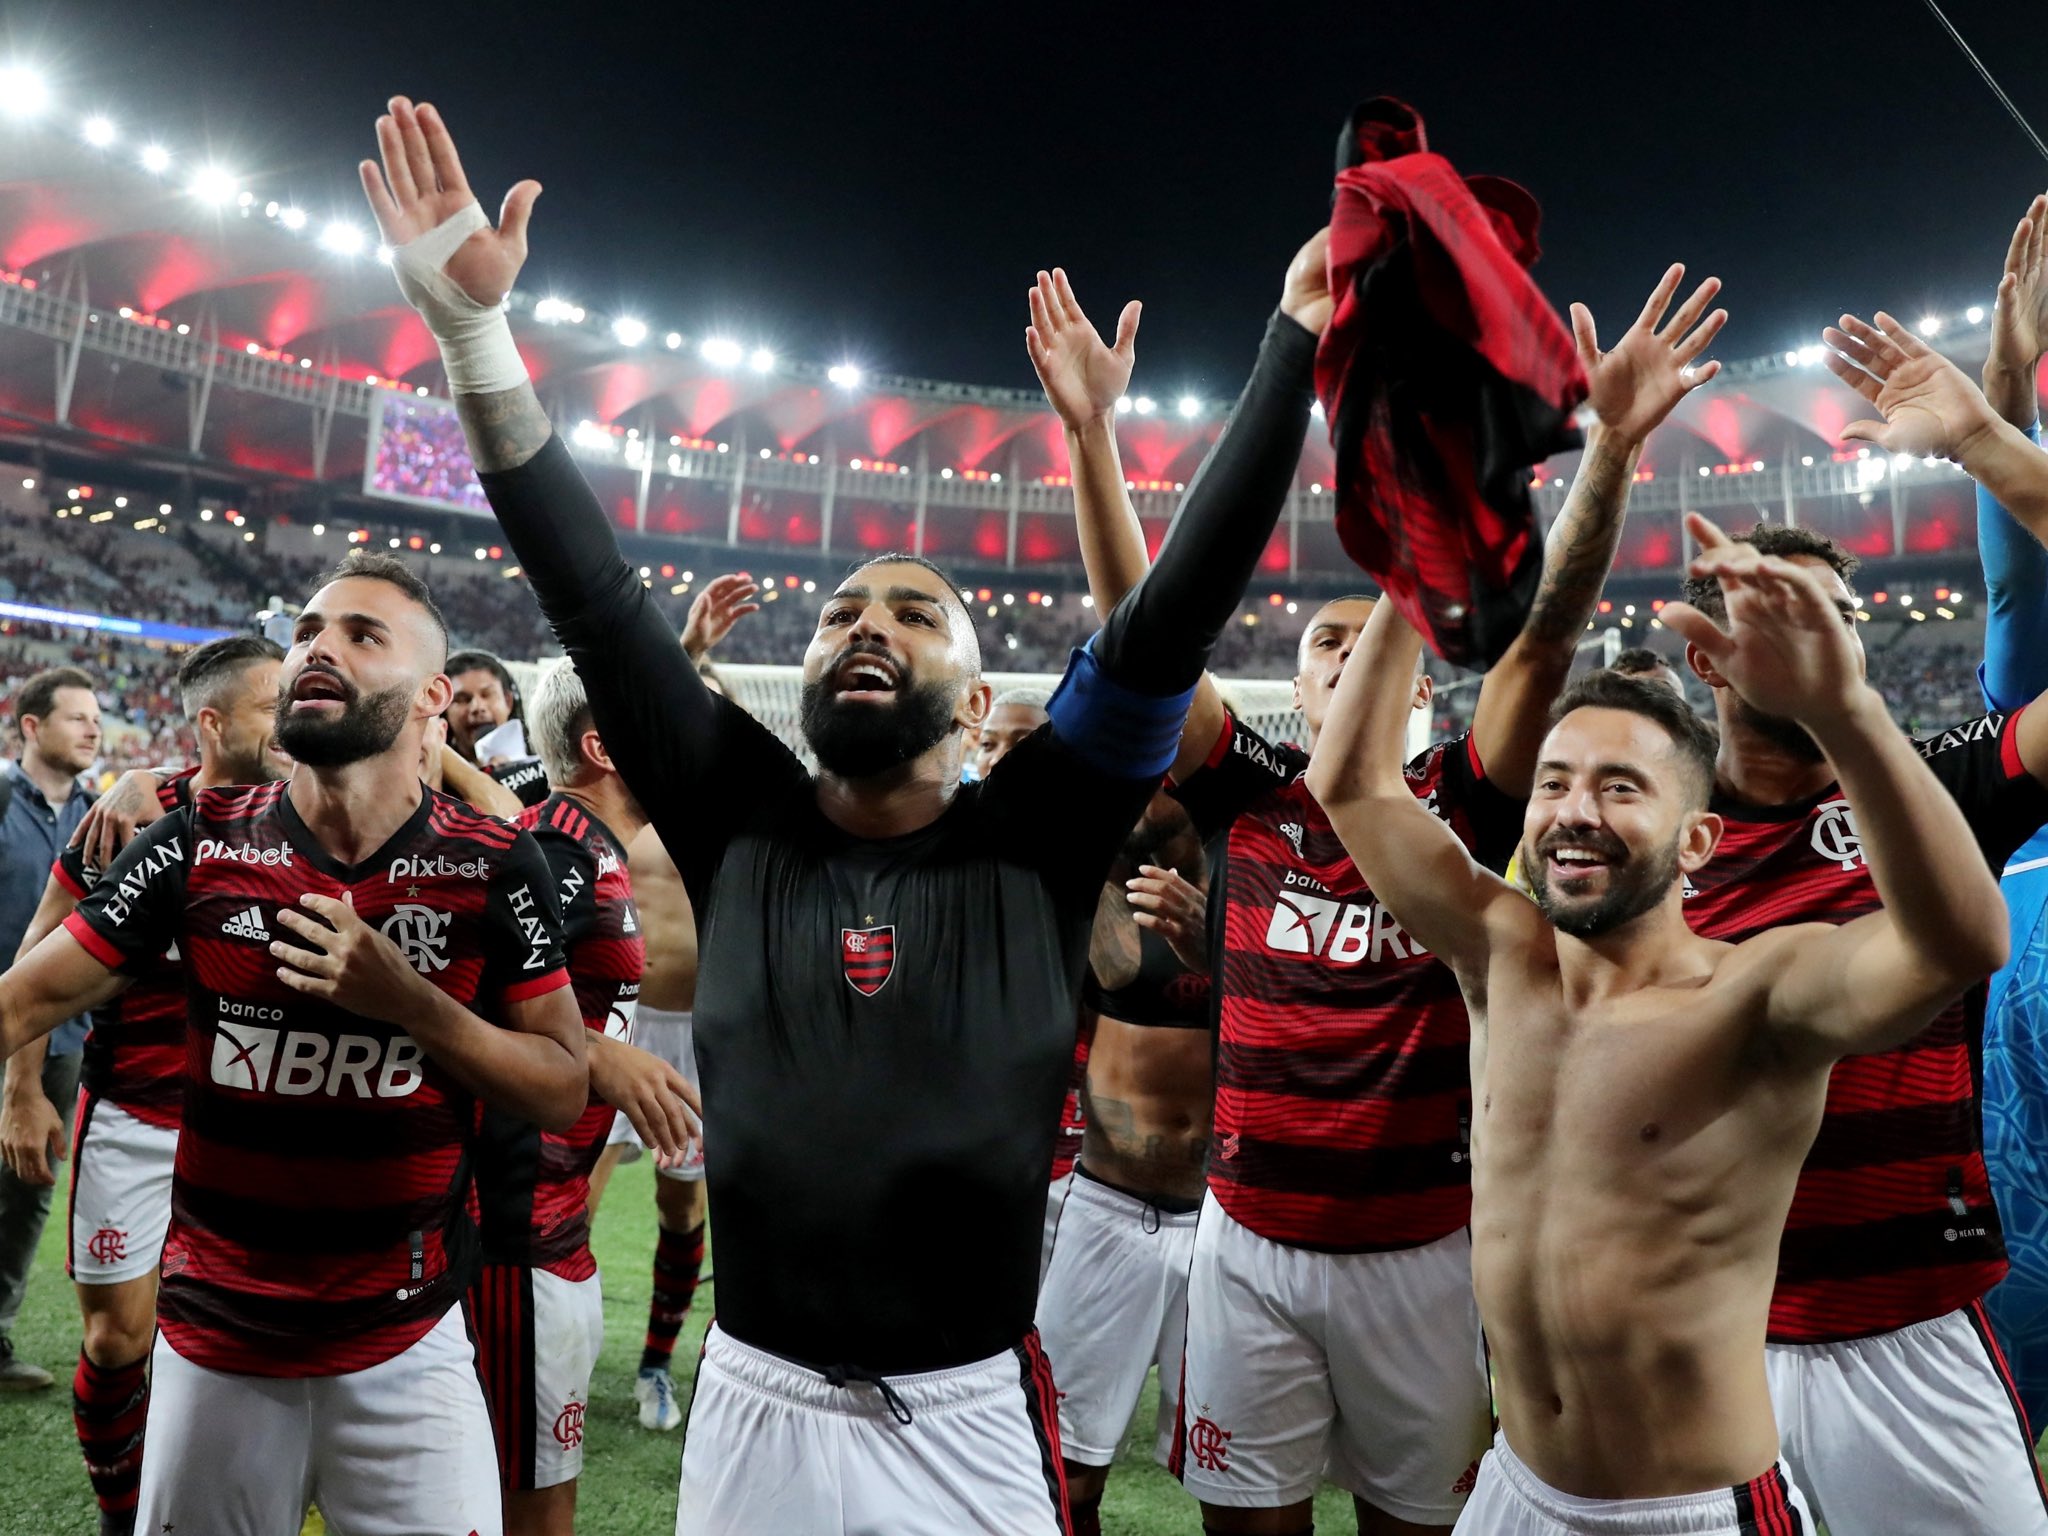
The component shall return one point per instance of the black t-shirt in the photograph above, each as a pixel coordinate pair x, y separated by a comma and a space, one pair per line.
883, 1026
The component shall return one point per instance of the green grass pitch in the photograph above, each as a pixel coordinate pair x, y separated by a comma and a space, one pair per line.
629, 1475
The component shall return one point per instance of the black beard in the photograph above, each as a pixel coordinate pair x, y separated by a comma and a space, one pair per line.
367, 725
1633, 887
1788, 736
858, 741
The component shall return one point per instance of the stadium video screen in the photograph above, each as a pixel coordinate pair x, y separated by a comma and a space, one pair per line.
417, 454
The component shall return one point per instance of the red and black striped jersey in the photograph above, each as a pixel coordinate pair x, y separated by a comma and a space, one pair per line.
533, 1186
1343, 1079
135, 1051
1893, 1221
1073, 1111
319, 1210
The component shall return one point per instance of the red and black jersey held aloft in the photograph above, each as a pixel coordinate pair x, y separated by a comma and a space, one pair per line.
1892, 1222
533, 1186
1343, 1075
135, 1051
319, 1210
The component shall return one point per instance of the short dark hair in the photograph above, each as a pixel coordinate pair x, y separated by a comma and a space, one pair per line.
38, 696
1638, 659
952, 598
1781, 539
484, 661
363, 565
205, 674
1694, 738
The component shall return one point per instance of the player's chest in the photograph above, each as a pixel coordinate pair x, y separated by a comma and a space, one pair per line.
1294, 900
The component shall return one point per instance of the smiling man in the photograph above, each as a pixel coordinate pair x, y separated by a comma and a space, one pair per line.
890, 960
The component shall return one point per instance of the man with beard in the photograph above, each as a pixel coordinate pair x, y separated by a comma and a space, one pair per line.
486, 696
1330, 1322
1896, 1406
1645, 1095
364, 960
1114, 1302
890, 960
134, 1086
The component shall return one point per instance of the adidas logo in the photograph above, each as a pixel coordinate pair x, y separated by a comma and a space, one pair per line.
246, 925
631, 925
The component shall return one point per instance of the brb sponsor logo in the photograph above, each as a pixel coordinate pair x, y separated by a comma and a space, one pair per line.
255, 1057
1341, 932
279, 857
569, 1425
439, 867
421, 935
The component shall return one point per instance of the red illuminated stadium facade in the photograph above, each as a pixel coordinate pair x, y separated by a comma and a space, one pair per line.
194, 338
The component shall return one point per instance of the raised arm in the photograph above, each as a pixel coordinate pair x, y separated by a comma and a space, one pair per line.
2015, 563
664, 727
1634, 387
1412, 861
1143, 665
1876, 982
1083, 379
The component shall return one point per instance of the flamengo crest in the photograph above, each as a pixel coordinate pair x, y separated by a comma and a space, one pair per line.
867, 956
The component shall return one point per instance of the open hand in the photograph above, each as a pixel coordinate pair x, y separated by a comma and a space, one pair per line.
348, 963
1787, 649
1165, 902
2019, 325
1929, 406
724, 601
421, 186
1634, 387
1083, 378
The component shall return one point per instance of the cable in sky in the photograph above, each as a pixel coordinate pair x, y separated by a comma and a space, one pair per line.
2004, 100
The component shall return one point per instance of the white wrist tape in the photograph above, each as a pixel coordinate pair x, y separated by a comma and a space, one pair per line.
476, 339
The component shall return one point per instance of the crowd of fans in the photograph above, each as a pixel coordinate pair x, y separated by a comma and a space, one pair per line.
212, 578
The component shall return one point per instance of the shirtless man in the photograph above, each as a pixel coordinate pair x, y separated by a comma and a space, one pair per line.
1646, 1096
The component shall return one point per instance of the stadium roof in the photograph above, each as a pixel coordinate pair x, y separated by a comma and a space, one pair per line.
178, 256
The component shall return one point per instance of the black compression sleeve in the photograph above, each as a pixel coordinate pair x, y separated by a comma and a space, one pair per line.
1158, 639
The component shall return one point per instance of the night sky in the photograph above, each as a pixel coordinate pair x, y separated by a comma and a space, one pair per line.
879, 182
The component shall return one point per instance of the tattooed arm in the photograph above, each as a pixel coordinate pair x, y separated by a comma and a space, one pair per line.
1634, 387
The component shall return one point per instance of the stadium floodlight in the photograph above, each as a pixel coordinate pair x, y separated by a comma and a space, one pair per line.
292, 218
1974, 314
384, 254
24, 93
156, 159
845, 375
1189, 407
630, 332
213, 185
99, 131
761, 360
673, 340
1930, 325
342, 238
1144, 405
721, 352
1123, 405
1810, 355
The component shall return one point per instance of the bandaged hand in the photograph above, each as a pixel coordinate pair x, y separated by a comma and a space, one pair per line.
452, 265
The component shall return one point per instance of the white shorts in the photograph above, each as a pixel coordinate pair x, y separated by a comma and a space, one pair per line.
1365, 1367
1055, 1202
399, 1449
668, 1036
1914, 1430
537, 1342
120, 1194
1114, 1304
771, 1446
1510, 1500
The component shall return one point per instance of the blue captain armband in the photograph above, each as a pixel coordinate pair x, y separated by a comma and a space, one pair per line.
1113, 730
